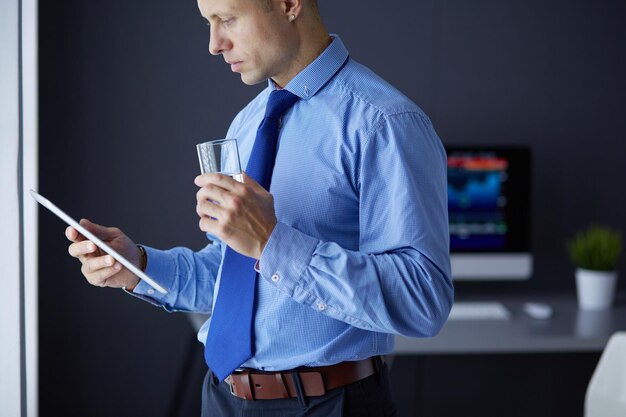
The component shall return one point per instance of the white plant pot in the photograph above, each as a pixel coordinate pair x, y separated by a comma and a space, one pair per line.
595, 289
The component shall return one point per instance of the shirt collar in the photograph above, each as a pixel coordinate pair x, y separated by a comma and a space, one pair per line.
311, 79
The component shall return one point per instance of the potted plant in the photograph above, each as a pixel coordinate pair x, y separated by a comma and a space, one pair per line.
595, 252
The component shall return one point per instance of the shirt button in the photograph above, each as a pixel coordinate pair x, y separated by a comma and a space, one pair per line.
150, 291
275, 278
321, 306
306, 90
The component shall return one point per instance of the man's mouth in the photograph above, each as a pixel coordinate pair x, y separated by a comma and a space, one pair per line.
234, 65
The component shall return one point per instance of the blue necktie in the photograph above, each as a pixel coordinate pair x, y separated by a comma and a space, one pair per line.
230, 341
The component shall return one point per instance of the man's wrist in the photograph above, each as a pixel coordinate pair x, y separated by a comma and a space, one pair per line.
130, 288
143, 262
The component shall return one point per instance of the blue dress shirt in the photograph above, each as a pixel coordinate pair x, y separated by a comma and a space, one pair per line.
360, 251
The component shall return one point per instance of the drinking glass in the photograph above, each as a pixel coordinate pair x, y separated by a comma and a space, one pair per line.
220, 156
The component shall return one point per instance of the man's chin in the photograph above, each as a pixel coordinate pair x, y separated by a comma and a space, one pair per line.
250, 79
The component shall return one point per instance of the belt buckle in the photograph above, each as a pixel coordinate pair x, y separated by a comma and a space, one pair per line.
230, 383
242, 388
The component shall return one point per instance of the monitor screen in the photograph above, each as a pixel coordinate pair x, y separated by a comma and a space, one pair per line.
489, 212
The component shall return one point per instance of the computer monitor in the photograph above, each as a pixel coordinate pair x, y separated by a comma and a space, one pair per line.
489, 212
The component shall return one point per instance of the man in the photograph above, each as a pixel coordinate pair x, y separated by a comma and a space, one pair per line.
348, 247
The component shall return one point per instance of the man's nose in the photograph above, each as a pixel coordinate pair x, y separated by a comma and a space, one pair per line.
218, 43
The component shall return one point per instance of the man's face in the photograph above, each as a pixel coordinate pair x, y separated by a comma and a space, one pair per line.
255, 42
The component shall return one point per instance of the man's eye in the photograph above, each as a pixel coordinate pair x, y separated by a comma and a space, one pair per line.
228, 22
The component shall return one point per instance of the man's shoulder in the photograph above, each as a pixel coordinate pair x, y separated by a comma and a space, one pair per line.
358, 82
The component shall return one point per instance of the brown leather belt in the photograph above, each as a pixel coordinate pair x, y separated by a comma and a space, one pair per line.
251, 384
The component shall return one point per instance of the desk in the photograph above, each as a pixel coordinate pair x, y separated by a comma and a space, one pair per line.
569, 330
515, 367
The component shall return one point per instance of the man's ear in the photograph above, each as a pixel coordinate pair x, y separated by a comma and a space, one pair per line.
291, 8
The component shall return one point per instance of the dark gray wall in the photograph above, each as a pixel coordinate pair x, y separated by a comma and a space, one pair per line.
127, 89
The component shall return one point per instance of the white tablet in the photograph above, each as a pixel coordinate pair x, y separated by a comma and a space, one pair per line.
93, 238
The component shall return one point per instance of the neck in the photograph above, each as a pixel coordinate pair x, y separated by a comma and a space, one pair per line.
310, 39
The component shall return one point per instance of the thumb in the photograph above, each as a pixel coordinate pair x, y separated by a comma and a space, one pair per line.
256, 187
101, 231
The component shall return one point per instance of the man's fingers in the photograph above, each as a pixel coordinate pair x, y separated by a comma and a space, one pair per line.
72, 234
212, 192
206, 208
205, 179
220, 180
82, 248
104, 233
100, 276
93, 265
256, 187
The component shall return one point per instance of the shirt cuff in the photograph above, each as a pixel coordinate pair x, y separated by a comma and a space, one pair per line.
286, 255
161, 268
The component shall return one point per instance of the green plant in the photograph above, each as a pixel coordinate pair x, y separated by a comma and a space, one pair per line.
596, 248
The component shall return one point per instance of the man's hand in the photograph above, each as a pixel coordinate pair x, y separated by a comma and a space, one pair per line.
240, 214
99, 268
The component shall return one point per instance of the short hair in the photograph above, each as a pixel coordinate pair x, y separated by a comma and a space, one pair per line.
265, 4
268, 5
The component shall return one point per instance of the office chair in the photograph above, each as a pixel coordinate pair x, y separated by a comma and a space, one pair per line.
606, 393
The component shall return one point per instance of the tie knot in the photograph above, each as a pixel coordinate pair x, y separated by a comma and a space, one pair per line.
279, 102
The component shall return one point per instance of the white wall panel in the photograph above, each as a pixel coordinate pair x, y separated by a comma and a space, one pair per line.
10, 348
